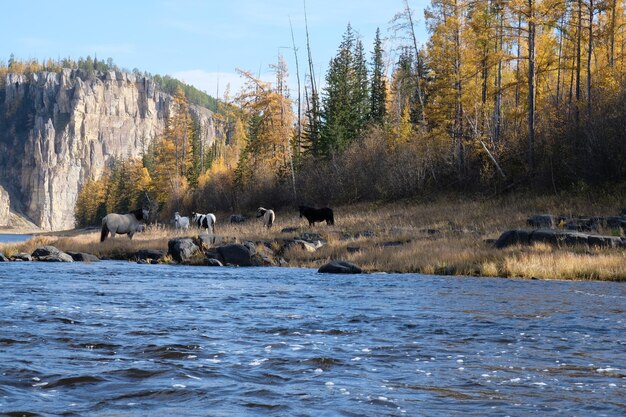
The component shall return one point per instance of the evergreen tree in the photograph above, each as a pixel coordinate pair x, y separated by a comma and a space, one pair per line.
378, 89
345, 100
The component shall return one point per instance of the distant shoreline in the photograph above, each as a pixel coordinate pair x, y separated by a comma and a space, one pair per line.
449, 236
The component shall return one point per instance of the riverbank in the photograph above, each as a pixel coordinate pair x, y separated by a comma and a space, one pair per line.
449, 236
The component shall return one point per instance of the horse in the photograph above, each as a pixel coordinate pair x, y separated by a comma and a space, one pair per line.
206, 221
268, 216
317, 215
181, 223
123, 224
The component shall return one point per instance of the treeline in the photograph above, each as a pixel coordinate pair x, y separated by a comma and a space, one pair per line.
503, 95
91, 68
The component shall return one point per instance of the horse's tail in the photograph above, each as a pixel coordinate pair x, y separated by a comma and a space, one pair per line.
270, 220
105, 230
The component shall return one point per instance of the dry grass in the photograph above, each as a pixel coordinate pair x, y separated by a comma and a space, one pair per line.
449, 236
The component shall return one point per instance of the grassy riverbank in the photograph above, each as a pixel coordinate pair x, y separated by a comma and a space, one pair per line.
449, 236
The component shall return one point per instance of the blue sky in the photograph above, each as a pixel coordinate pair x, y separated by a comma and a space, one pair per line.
194, 40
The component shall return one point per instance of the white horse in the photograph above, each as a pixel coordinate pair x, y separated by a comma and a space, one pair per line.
181, 223
123, 224
206, 221
268, 216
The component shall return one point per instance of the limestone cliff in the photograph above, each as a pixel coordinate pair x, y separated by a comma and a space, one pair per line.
4, 207
59, 129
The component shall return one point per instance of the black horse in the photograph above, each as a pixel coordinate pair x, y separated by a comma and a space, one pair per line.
317, 215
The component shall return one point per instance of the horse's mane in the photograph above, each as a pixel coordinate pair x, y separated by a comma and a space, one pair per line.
138, 214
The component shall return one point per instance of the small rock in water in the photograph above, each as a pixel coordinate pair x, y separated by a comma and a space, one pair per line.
339, 267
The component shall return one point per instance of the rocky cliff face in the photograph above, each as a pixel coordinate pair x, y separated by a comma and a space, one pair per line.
59, 129
4, 207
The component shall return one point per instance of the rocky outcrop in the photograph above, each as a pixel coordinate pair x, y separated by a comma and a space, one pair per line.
182, 249
5, 204
51, 254
557, 238
57, 130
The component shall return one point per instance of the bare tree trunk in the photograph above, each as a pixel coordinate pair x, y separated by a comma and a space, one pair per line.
558, 67
589, 52
578, 59
295, 52
498, 97
531, 86
458, 103
420, 94
612, 34
518, 60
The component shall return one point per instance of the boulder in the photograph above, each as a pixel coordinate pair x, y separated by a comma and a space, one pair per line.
513, 237
148, 254
181, 249
51, 254
235, 254
83, 257
213, 262
310, 237
24, 257
3, 258
584, 224
606, 241
541, 221
557, 238
236, 218
298, 243
339, 267
206, 241
306, 246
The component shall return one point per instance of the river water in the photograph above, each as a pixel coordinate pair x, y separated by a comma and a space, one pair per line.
13, 238
121, 339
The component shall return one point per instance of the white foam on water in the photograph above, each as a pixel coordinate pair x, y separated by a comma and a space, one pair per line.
365, 350
459, 361
40, 384
356, 359
318, 371
192, 356
539, 384
213, 360
193, 377
330, 384
258, 362
181, 386
607, 369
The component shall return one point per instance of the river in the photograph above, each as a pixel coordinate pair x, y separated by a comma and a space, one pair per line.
117, 338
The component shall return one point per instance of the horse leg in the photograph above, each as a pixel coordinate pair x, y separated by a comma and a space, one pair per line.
130, 235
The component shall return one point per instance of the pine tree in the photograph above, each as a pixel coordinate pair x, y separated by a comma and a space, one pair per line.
378, 100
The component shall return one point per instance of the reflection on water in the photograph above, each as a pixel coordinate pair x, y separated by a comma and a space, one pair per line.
115, 338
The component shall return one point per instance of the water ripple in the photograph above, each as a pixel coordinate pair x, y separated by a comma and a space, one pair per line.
115, 338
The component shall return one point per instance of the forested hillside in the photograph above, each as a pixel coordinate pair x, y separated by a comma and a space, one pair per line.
502, 96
